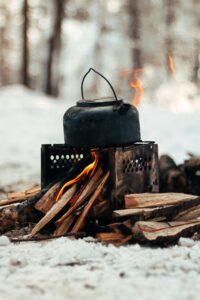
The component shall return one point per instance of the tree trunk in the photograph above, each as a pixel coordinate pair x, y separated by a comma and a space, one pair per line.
196, 66
134, 12
52, 78
25, 51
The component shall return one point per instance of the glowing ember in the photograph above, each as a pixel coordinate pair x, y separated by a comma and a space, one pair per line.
171, 65
136, 83
89, 170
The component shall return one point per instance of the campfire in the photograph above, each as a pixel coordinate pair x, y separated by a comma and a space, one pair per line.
103, 181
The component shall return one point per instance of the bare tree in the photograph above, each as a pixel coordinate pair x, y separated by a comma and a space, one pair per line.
52, 77
196, 65
25, 47
134, 31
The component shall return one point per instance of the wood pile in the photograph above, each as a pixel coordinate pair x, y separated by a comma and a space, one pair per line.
84, 209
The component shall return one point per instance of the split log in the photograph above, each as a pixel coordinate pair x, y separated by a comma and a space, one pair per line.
81, 220
189, 214
159, 199
19, 196
110, 237
101, 209
162, 233
88, 190
56, 208
48, 200
64, 227
136, 214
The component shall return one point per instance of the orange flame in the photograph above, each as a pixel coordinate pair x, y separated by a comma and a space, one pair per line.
90, 169
136, 83
171, 65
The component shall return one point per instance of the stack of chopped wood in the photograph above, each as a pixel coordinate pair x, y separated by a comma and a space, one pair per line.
155, 219
180, 178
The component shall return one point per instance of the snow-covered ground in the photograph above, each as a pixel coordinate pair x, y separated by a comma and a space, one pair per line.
66, 269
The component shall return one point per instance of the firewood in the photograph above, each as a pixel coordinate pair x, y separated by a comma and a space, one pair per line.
19, 196
81, 220
159, 199
47, 237
72, 172
48, 200
108, 237
192, 165
189, 214
64, 227
10, 217
172, 178
101, 209
162, 233
137, 214
56, 208
123, 241
88, 190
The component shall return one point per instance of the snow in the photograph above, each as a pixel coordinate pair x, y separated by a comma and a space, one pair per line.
85, 269
80, 270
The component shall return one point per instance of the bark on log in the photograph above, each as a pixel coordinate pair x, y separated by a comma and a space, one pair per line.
137, 214
162, 233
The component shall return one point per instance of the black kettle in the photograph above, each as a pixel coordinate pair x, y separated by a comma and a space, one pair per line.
101, 122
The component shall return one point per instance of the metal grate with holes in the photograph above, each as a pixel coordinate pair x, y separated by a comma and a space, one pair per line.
57, 159
134, 169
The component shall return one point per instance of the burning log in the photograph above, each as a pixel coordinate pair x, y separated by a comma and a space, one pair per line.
80, 223
88, 190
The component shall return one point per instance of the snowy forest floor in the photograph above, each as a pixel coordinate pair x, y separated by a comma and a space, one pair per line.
83, 269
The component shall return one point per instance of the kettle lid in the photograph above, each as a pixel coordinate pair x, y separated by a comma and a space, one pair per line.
98, 102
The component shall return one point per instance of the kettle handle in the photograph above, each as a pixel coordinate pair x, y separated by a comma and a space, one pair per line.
91, 69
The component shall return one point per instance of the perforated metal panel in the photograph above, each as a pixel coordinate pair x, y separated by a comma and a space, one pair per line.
134, 169
57, 159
